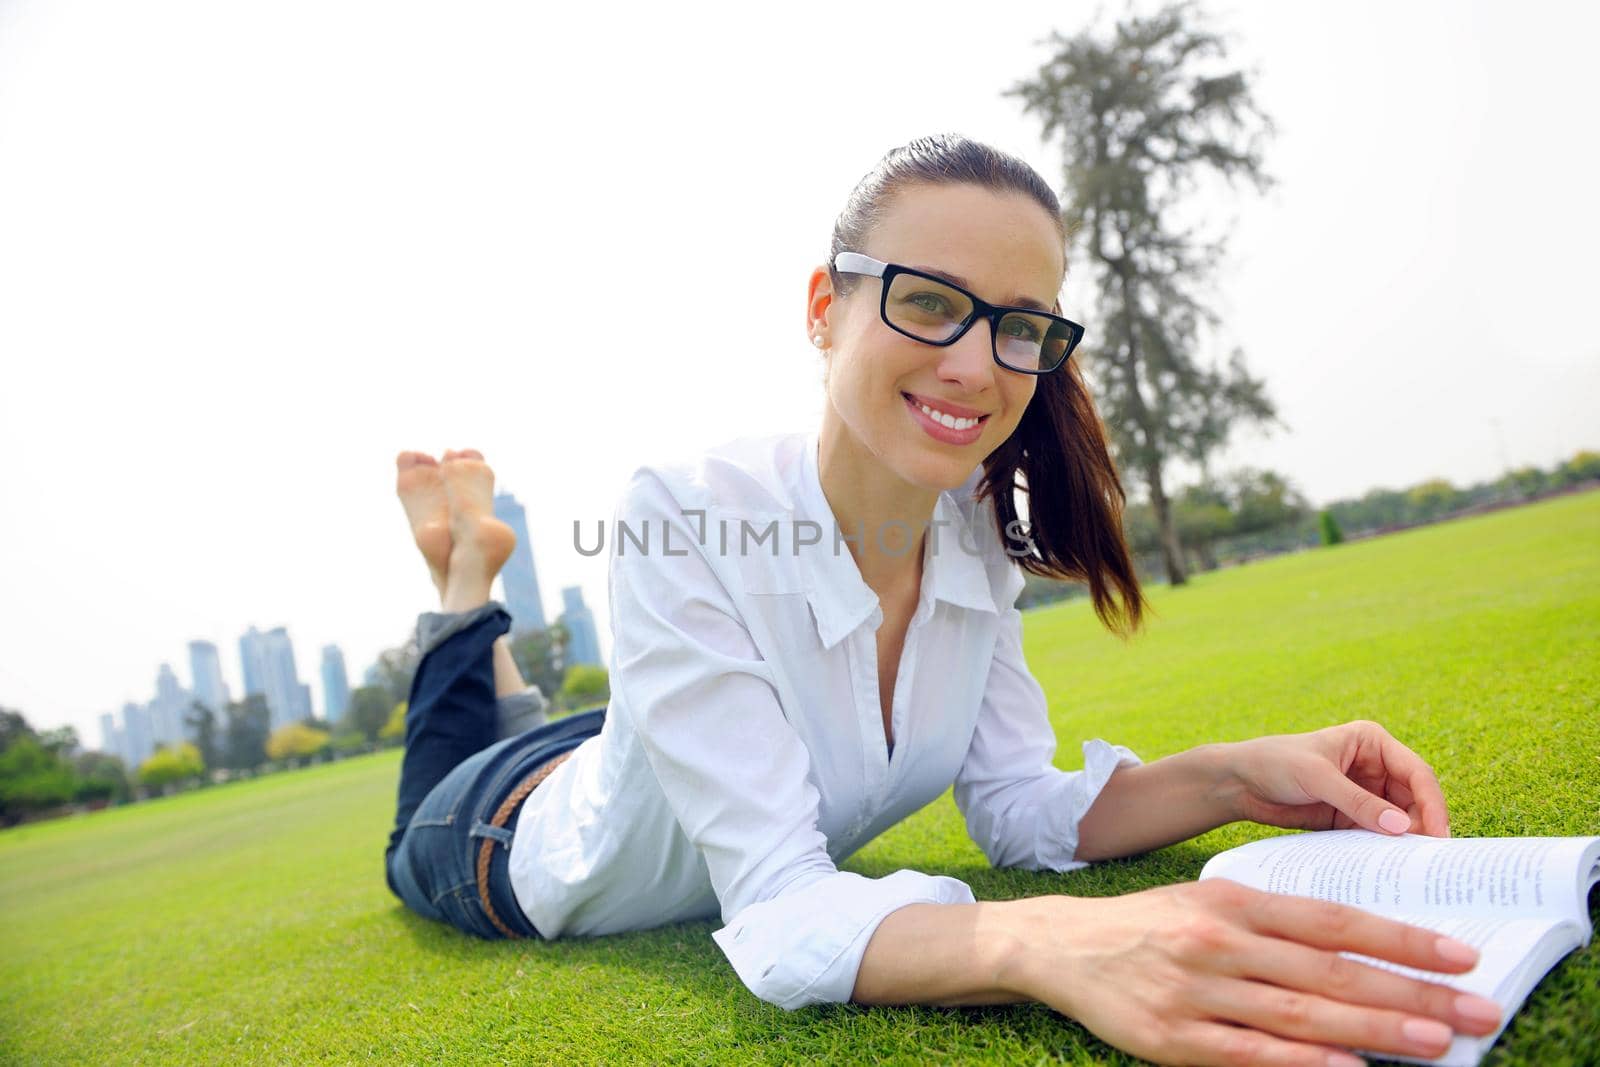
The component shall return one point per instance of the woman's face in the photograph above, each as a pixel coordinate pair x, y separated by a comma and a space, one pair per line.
1004, 247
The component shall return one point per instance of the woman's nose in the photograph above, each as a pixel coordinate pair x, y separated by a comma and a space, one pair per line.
970, 361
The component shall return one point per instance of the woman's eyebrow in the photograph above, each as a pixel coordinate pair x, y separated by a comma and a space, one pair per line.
956, 279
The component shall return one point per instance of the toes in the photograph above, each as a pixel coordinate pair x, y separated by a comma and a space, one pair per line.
406, 460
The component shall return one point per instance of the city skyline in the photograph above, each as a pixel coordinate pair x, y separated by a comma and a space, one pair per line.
268, 666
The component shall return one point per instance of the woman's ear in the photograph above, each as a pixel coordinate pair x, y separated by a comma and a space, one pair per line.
819, 299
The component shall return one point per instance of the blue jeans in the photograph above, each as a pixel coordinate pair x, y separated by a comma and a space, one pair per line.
454, 776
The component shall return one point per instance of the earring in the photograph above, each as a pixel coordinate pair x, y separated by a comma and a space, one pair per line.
817, 340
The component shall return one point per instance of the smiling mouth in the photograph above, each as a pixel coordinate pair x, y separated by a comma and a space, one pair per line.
950, 422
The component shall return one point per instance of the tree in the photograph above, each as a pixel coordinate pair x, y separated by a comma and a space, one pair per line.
348, 742
1143, 115
244, 738
1376, 509
394, 731
1524, 482
1580, 468
541, 655
585, 684
1201, 515
201, 722
32, 778
297, 740
101, 777
63, 740
1431, 499
13, 727
1264, 500
394, 669
370, 707
170, 765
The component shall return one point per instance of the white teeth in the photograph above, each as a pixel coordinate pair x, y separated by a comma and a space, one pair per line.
948, 420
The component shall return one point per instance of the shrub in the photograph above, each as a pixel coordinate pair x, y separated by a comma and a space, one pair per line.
1328, 526
297, 740
170, 765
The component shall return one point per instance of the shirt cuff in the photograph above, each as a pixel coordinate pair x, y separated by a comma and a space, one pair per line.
1100, 760
805, 946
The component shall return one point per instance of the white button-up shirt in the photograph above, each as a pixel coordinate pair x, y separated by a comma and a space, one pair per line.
743, 754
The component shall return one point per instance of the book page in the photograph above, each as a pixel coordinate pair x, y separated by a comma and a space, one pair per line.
1413, 872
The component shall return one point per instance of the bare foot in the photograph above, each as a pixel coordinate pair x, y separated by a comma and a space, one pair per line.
421, 491
479, 542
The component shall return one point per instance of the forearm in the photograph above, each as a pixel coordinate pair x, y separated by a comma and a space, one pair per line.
946, 954
1156, 804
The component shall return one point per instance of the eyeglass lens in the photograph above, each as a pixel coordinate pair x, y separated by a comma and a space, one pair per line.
931, 311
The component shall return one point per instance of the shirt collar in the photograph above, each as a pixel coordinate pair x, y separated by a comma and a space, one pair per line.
953, 567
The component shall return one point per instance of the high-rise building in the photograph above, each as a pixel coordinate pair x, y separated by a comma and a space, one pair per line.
584, 643
335, 684
252, 662
137, 740
269, 669
111, 737
517, 577
206, 668
169, 708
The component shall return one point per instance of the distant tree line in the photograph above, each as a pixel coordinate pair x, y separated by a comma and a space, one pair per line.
49, 770
1254, 513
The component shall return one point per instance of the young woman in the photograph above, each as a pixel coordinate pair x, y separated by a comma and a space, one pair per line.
816, 634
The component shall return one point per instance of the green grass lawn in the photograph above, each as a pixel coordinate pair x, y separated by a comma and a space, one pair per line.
251, 921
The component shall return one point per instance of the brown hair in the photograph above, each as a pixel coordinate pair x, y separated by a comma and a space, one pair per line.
1059, 446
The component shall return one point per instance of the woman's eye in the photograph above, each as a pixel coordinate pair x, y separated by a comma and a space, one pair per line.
1023, 329
929, 301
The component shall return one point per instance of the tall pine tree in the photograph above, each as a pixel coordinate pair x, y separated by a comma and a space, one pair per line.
1142, 115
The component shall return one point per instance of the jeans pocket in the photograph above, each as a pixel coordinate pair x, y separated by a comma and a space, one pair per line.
462, 909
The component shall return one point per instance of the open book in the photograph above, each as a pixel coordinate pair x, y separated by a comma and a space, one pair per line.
1522, 902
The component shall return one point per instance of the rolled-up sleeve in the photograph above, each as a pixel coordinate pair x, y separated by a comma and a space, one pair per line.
1020, 808
704, 704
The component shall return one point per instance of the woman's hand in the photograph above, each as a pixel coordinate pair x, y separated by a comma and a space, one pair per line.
1351, 775
1215, 972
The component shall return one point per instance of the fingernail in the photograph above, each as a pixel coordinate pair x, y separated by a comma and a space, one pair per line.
1344, 1059
1395, 821
1455, 951
1426, 1033
1480, 1008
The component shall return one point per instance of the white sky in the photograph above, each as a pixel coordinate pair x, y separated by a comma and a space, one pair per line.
249, 252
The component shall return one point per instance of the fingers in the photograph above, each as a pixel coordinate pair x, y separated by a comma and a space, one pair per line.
1293, 1013
1339, 927
1220, 1045
1419, 778
1366, 809
1294, 966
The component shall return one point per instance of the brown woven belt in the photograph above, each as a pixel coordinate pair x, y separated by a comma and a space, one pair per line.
501, 816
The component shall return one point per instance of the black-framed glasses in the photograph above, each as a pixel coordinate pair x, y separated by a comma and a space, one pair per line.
929, 309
